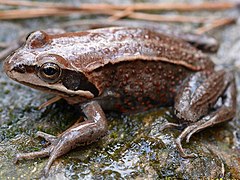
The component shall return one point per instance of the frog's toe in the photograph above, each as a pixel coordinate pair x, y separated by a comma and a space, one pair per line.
32, 155
46, 171
169, 125
181, 150
190, 134
48, 137
182, 136
49, 164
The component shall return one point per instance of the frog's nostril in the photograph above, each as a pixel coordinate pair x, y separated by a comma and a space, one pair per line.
20, 68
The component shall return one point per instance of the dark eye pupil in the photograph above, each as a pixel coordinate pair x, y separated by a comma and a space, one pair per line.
50, 71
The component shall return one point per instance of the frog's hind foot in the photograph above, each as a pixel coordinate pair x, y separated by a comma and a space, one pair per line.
218, 112
222, 114
188, 130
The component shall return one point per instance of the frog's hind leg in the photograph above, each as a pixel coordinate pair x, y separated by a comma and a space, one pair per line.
225, 112
217, 113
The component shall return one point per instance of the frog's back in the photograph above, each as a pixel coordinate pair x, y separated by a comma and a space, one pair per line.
92, 49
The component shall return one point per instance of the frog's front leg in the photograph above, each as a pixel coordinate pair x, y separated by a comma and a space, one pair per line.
93, 128
196, 103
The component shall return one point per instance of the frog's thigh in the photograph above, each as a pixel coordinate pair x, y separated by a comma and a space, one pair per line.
223, 112
199, 94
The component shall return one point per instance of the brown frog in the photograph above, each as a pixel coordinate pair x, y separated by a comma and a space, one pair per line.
124, 69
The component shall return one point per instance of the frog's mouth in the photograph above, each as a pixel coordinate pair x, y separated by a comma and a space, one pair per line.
32, 80
64, 92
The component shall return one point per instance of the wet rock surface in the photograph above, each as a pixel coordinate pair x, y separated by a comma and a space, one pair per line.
135, 146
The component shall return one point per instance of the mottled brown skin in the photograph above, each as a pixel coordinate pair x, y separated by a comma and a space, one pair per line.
124, 69
141, 85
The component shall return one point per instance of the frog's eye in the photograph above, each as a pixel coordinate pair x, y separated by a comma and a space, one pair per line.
50, 72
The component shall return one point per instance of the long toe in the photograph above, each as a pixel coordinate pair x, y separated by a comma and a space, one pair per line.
182, 151
48, 137
32, 155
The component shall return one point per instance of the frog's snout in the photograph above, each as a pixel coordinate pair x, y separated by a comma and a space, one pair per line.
18, 61
13, 64
7, 66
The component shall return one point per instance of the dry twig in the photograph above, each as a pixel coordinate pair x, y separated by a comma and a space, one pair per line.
167, 18
115, 11
42, 9
215, 24
136, 7
121, 14
32, 13
43, 12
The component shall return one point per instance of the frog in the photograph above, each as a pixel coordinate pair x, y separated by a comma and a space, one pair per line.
122, 69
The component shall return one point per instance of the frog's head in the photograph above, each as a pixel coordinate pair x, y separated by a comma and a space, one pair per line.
39, 65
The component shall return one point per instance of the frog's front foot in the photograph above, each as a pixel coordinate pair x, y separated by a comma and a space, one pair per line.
32, 155
43, 153
93, 128
48, 137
